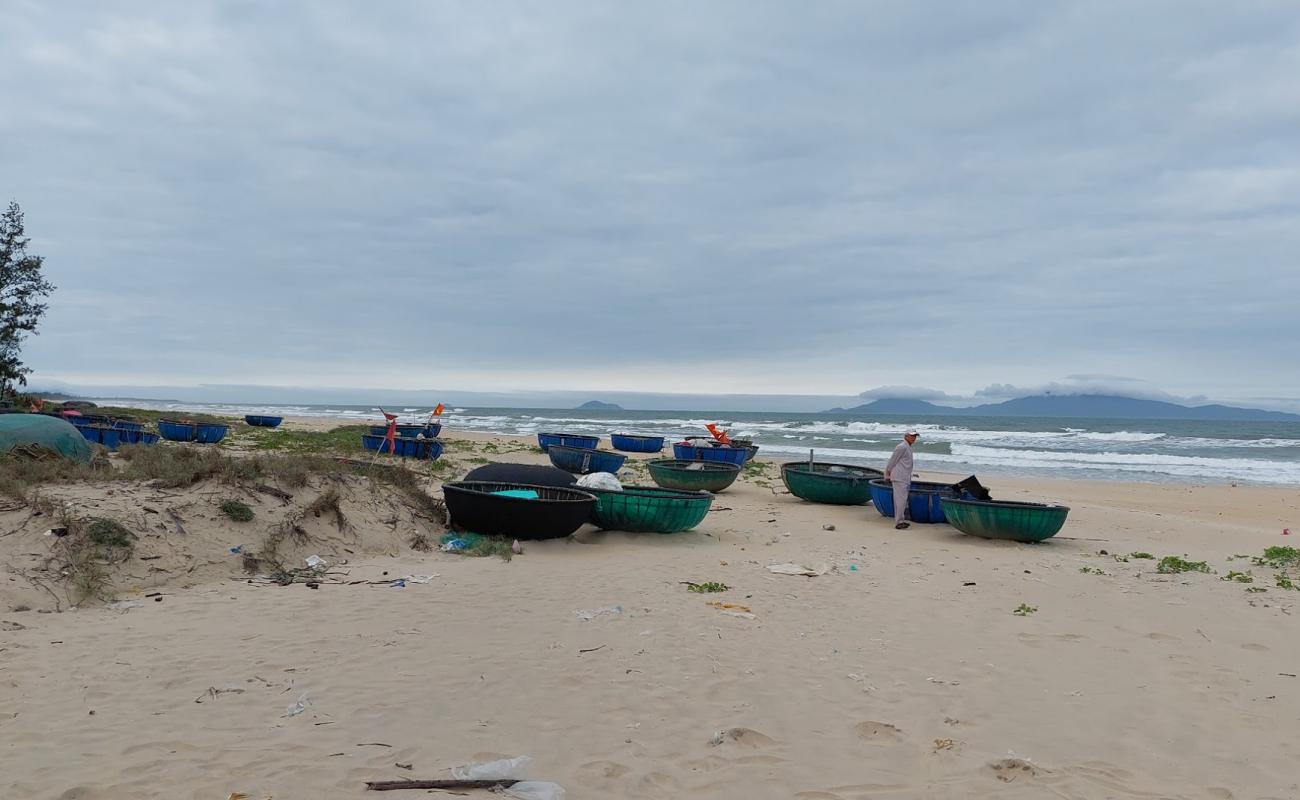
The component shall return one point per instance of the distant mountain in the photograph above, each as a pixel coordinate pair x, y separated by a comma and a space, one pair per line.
596, 405
1095, 406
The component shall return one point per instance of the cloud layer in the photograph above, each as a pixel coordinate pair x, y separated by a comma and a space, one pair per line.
728, 197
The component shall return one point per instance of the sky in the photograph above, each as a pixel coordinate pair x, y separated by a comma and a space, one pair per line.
966, 199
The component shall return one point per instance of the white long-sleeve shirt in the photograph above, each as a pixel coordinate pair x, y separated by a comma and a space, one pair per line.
899, 467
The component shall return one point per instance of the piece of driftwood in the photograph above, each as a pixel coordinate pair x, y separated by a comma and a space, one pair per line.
274, 492
388, 786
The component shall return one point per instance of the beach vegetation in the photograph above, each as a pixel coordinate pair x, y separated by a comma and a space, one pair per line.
1238, 577
1256, 589
237, 510
1278, 557
23, 288
1141, 555
706, 587
1091, 570
1024, 610
1173, 565
1283, 581
343, 440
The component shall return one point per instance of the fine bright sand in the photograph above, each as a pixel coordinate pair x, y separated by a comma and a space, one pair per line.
900, 673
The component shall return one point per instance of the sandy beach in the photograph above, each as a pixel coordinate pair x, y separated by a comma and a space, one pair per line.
903, 671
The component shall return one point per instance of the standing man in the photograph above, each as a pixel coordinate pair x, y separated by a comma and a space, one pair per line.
899, 472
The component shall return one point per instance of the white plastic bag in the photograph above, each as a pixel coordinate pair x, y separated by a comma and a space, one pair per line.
601, 480
501, 770
535, 790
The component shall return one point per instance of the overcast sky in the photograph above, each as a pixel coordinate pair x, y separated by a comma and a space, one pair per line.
803, 198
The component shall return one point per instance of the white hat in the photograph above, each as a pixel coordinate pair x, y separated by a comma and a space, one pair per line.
911, 432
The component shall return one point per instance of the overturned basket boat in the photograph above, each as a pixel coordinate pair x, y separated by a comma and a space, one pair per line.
998, 519
581, 460
112, 437
263, 420
834, 484
175, 430
428, 431
550, 512
649, 509
630, 443
545, 440
692, 476
924, 499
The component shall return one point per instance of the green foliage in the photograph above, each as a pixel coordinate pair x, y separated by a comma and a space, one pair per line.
1024, 610
1238, 577
237, 510
1279, 557
1255, 589
22, 288
109, 533
706, 587
1173, 565
1284, 581
1141, 555
343, 440
1091, 571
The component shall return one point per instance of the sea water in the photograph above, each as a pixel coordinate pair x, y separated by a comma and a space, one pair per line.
1134, 450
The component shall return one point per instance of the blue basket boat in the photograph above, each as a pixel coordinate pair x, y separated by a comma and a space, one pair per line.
924, 499
727, 455
545, 440
429, 431
104, 422
113, 437
263, 421
582, 460
630, 443
201, 432
424, 449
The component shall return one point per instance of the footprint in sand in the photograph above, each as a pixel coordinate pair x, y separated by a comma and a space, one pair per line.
746, 737
872, 731
1013, 769
1258, 648
1162, 637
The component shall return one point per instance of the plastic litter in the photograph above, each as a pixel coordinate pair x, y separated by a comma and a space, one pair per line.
400, 583
418, 578
500, 770
798, 569
591, 614
300, 706
237, 549
516, 547
535, 790
316, 562
458, 542
601, 480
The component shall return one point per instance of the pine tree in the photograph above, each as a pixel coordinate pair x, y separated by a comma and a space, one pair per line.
22, 288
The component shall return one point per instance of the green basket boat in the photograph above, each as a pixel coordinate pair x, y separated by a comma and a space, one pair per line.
649, 509
834, 484
1017, 522
692, 476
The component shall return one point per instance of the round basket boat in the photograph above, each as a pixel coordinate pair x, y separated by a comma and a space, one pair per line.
996, 519
692, 476
833, 484
174, 430
428, 431
581, 460
263, 421
924, 499
630, 443
545, 440
649, 509
425, 449
722, 453
554, 512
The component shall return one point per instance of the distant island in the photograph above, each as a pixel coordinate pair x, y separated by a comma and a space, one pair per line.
596, 405
1095, 406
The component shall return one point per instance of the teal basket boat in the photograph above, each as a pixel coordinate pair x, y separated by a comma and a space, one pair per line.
648, 509
1017, 522
692, 476
833, 484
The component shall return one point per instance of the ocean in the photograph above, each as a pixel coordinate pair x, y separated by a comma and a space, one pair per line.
1181, 451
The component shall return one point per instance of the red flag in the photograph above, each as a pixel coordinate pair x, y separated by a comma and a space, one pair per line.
391, 436
721, 436
437, 410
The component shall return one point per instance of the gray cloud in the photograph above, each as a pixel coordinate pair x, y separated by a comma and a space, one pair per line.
726, 198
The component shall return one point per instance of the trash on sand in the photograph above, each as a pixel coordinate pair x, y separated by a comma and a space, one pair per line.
419, 578
590, 614
798, 569
535, 790
400, 583
600, 480
736, 606
316, 562
458, 542
237, 549
828, 527
122, 605
516, 547
853, 567
500, 770
300, 706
